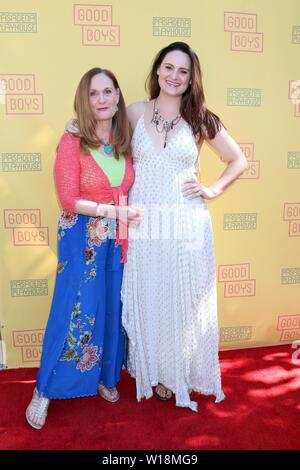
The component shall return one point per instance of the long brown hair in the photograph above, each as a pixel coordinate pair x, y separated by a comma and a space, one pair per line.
193, 107
87, 123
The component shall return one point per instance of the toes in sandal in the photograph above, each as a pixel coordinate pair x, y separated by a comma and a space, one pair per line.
110, 394
163, 393
36, 412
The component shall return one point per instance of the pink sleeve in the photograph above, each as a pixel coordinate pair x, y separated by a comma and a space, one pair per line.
67, 172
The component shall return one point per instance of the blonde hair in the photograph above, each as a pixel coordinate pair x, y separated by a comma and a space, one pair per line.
193, 106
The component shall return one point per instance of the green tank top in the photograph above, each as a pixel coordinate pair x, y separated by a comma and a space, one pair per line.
113, 168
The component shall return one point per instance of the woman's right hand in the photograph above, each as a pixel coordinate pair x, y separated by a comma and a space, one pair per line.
72, 126
130, 215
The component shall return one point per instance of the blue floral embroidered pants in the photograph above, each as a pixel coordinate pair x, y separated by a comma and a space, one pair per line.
84, 342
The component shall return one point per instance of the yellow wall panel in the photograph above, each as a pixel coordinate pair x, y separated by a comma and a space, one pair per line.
249, 52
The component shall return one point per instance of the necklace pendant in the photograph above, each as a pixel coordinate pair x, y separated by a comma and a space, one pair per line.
108, 149
166, 126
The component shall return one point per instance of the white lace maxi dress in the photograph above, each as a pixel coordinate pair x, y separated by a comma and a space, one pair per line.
169, 284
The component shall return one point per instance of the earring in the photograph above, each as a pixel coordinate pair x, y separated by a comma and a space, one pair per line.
117, 108
190, 82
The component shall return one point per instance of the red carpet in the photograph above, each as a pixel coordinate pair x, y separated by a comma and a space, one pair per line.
262, 411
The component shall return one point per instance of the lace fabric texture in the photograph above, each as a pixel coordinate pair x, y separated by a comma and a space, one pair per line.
78, 176
169, 283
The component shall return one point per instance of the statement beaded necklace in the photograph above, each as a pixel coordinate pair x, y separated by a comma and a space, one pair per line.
161, 124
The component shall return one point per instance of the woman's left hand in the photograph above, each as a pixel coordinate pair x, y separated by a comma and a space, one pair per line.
192, 189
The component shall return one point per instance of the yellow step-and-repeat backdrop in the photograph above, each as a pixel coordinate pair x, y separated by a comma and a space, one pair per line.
249, 52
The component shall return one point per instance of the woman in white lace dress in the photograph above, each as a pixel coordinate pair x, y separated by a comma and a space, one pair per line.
169, 284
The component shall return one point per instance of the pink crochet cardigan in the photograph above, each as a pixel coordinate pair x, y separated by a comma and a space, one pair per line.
78, 176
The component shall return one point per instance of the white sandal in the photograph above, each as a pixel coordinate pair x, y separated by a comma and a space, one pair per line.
36, 412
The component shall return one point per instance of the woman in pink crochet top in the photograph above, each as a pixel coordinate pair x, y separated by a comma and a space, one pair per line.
84, 344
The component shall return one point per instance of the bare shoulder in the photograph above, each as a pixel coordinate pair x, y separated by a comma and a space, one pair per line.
135, 110
68, 139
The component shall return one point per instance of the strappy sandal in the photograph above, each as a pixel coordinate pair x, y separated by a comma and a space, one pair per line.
36, 412
110, 394
166, 395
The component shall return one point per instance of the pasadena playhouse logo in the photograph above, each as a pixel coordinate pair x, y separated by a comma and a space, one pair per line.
291, 214
236, 279
289, 325
18, 93
253, 170
2, 354
240, 221
96, 25
17, 22
30, 342
294, 95
244, 36
230, 334
26, 227
171, 26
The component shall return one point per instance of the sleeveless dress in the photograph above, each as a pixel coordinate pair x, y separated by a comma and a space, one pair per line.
169, 283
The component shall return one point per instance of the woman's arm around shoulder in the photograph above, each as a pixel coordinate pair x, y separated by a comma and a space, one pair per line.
230, 153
